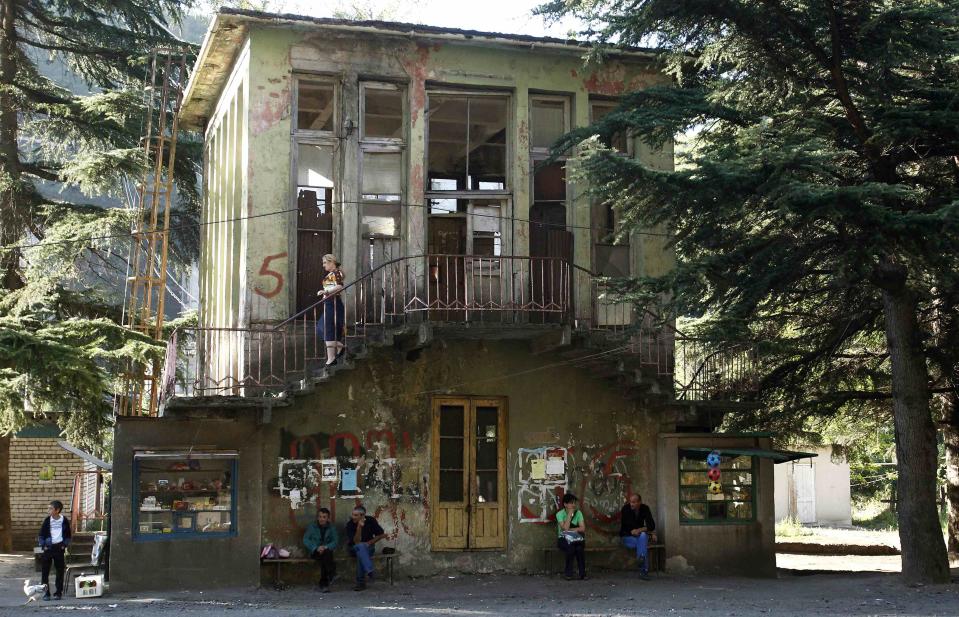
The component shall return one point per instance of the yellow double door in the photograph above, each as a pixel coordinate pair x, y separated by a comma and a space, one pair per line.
468, 475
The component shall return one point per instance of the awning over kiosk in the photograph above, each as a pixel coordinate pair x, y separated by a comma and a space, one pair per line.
777, 456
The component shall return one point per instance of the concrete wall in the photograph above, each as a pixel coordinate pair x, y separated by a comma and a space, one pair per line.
29, 495
383, 406
276, 55
186, 563
832, 491
727, 548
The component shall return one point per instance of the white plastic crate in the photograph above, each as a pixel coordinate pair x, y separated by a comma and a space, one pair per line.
90, 586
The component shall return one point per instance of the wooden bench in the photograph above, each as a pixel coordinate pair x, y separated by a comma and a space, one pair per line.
340, 558
657, 554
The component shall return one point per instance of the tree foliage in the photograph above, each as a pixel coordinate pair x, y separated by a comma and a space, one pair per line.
817, 211
65, 146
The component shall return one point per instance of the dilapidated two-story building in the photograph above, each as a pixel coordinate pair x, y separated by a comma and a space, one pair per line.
488, 372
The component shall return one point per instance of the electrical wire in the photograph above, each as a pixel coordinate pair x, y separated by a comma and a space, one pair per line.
288, 210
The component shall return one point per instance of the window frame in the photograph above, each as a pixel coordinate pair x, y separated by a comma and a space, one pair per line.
630, 147
382, 148
386, 141
334, 82
753, 470
506, 191
174, 536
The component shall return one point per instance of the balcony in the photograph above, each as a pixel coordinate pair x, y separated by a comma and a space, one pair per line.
551, 302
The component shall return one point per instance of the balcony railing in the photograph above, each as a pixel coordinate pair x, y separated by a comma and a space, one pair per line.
518, 292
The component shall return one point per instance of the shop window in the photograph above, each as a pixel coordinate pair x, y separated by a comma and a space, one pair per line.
184, 495
734, 503
381, 185
467, 142
600, 109
315, 105
382, 112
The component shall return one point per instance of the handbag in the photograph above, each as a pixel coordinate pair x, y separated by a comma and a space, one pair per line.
572, 536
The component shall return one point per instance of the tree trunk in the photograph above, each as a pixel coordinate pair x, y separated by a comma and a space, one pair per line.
11, 227
950, 434
923, 549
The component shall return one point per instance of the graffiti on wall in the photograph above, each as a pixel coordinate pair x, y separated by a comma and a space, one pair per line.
542, 482
597, 475
346, 468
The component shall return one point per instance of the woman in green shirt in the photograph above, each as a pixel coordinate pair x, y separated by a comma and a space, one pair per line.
571, 527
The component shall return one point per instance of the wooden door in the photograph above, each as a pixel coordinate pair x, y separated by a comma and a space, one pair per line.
488, 480
314, 239
549, 277
468, 479
447, 276
450, 484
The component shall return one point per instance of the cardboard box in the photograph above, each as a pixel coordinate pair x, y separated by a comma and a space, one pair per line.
89, 586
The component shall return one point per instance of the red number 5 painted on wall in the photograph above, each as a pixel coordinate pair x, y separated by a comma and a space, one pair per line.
265, 271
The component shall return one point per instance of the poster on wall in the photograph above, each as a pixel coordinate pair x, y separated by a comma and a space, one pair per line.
542, 482
328, 470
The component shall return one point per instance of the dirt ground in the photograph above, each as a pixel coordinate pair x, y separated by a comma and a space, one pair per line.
606, 593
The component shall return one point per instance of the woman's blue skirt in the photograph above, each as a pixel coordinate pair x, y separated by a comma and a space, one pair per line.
332, 323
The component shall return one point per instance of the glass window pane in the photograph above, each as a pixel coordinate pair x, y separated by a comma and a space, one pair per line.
693, 511
451, 420
697, 493
184, 495
488, 482
693, 478
487, 141
549, 182
314, 166
314, 106
380, 220
487, 438
547, 122
212, 522
737, 478
383, 113
451, 486
740, 510
447, 142
451, 453
612, 261
599, 110
693, 463
739, 462
716, 510
381, 174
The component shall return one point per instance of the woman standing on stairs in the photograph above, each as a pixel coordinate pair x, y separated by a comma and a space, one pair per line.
333, 322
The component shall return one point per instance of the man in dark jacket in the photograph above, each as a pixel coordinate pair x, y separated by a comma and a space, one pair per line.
320, 540
362, 534
636, 528
53, 539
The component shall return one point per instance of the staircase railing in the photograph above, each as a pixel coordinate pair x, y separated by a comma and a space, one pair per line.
509, 291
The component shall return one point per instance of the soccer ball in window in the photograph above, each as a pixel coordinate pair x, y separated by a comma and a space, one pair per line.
712, 459
715, 488
713, 474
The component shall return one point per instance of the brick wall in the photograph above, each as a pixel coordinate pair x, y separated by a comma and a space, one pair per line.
29, 495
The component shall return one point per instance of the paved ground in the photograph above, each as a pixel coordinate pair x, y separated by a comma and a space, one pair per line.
606, 594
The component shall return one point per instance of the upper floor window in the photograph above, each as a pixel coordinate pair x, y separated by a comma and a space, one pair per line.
466, 144
382, 112
315, 105
600, 108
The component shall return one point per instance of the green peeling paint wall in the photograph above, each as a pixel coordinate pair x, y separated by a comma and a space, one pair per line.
259, 276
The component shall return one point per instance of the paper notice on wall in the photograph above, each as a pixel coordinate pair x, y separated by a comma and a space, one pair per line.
328, 467
348, 480
537, 469
555, 466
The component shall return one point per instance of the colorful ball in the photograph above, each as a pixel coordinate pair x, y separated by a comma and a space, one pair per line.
713, 474
715, 488
712, 459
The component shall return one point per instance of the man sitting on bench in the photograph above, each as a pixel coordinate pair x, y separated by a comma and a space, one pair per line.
363, 532
320, 540
636, 529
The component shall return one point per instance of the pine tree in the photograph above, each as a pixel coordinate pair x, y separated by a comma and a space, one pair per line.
61, 299
819, 204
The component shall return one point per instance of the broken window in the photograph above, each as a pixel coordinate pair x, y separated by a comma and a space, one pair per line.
314, 203
599, 109
487, 239
382, 193
315, 104
467, 142
382, 112
549, 238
